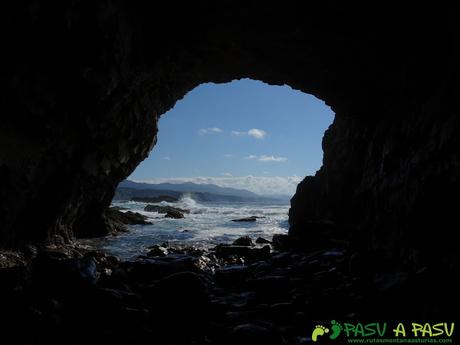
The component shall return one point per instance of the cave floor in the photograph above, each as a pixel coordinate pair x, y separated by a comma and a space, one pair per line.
193, 297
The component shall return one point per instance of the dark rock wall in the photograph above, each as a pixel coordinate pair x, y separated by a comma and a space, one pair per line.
84, 84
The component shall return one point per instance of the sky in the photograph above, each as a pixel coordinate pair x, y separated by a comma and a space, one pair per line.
242, 134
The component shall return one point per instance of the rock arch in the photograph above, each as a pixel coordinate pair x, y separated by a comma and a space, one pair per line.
85, 83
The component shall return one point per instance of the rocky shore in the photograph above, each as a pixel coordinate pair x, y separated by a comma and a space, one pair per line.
245, 293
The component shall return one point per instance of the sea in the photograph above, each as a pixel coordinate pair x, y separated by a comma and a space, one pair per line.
207, 225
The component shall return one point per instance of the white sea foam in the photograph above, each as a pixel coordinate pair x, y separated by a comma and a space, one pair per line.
206, 225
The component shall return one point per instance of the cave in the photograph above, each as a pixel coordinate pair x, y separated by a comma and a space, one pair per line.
84, 85
225, 152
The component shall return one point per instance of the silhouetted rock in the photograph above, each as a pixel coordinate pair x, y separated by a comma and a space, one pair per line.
246, 252
84, 85
57, 272
117, 220
376, 152
247, 219
261, 240
165, 209
266, 299
243, 241
157, 250
174, 214
118, 208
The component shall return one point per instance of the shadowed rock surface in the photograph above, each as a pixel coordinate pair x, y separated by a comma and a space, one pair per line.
247, 219
165, 209
116, 220
174, 214
214, 299
83, 87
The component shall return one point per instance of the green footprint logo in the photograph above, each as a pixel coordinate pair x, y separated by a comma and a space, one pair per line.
318, 331
336, 329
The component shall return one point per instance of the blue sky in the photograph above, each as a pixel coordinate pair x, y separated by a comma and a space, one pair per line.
245, 134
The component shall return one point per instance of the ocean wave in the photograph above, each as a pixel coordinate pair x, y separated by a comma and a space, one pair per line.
206, 225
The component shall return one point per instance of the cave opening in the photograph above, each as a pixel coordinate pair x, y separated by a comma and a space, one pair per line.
228, 158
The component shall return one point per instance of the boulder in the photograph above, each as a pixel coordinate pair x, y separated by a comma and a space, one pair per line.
116, 220
261, 240
243, 241
254, 254
157, 250
58, 273
174, 214
247, 219
165, 209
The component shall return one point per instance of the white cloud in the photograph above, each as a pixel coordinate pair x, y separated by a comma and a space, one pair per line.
257, 133
239, 134
254, 132
167, 158
228, 155
227, 174
204, 131
265, 158
264, 185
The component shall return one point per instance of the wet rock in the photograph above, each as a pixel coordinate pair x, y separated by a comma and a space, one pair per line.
86, 270
61, 274
261, 240
174, 214
165, 209
243, 241
128, 217
232, 275
247, 219
116, 220
225, 251
157, 250
12, 259
148, 269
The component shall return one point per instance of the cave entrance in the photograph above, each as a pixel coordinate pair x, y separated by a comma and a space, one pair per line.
231, 155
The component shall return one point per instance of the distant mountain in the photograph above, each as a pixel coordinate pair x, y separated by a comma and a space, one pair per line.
189, 187
130, 190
